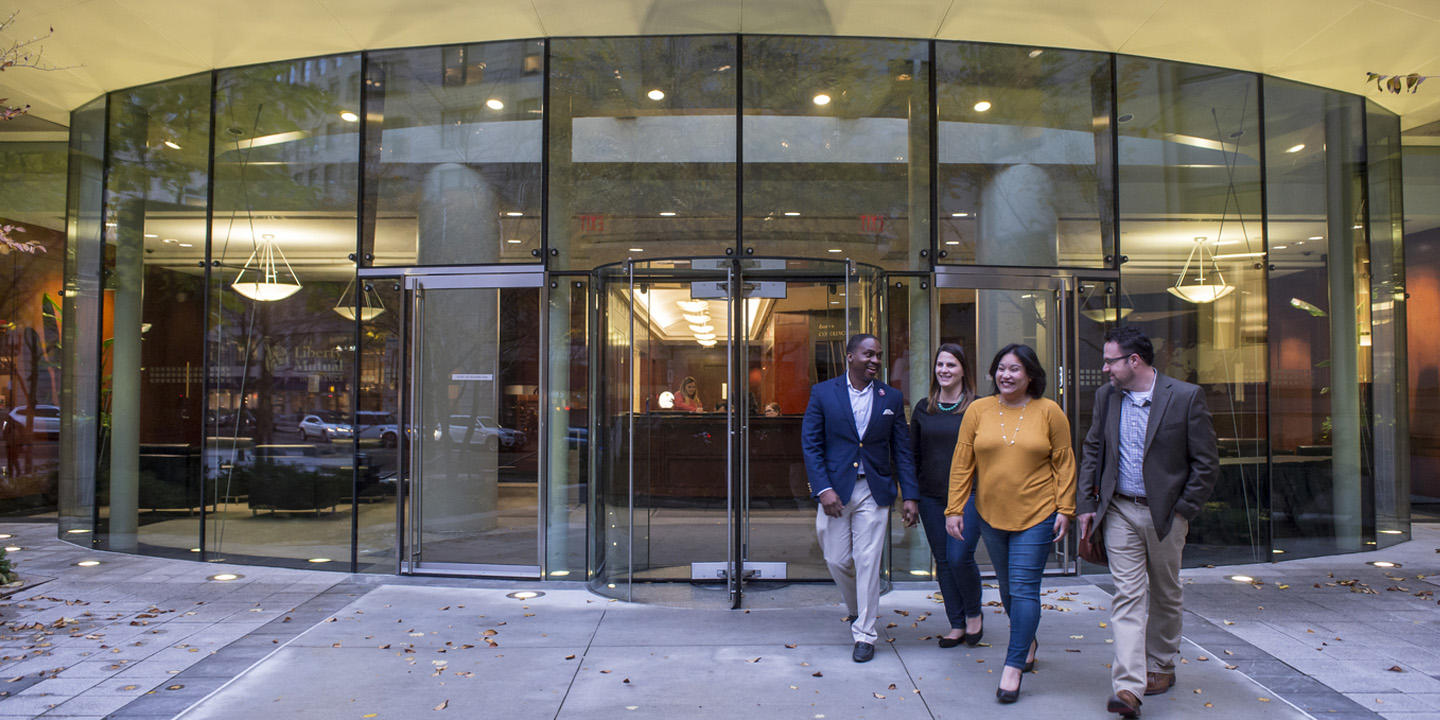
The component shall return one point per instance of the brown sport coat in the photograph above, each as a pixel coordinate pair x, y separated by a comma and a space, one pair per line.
1181, 461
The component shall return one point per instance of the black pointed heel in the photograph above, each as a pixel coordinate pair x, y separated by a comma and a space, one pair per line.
1030, 664
949, 642
1009, 696
973, 640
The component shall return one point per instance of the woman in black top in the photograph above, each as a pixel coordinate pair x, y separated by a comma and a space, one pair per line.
936, 422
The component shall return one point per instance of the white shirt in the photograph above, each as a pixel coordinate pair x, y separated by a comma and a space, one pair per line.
860, 403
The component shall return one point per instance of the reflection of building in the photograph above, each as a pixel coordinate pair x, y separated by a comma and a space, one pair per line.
551, 233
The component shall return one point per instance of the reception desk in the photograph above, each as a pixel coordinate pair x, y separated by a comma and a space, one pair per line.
680, 460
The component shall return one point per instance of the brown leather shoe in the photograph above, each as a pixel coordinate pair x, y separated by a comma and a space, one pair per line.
1158, 683
1125, 703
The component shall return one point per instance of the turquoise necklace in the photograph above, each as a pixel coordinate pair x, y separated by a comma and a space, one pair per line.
952, 406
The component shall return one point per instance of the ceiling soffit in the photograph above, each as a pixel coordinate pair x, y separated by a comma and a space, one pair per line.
105, 45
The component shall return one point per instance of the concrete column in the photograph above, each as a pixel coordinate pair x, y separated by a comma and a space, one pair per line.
1018, 226
128, 282
458, 221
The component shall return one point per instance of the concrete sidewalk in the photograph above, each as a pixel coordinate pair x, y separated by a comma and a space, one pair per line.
142, 637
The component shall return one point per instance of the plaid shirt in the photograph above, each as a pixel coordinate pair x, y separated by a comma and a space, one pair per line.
1134, 415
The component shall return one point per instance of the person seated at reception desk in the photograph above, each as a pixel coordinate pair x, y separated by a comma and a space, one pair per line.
772, 409
688, 399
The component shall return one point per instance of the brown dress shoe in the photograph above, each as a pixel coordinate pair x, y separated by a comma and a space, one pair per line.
1125, 703
1158, 683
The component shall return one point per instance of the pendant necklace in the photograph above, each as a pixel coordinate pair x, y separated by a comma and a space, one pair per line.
1015, 432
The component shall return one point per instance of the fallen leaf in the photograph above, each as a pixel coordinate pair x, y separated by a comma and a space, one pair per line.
1231, 667
1395, 668
817, 673
753, 660
892, 686
443, 704
878, 696
570, 656
790, 645
174, 687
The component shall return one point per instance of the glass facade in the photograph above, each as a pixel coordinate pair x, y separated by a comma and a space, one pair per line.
552, 308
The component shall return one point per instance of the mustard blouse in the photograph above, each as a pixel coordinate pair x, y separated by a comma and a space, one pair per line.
1016, 485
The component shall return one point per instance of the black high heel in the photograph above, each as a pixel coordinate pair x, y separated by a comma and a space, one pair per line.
973, 640
949, 642
1030, 664
1009, 696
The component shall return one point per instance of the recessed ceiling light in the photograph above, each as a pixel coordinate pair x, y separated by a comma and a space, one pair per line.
268, 236
1036, 53
1295, 148
792, 213
224, 577
171, 144
1279, 247
88, 563
960, 214
168, 240
821, 99
1356, 227
152, 236
1316, 237
559, 573
495, 104
1383, 564
513, 213
920, 573
187, 244
78, 531
656, 94
1278, 551
513, 241
319, 560
635, 249
1392, 532
13, 548
834, 250
667, 213
348, 116
982, 106
194, 549
952, 242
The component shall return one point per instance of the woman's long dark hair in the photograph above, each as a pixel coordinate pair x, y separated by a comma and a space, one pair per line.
967, 391
1029, 360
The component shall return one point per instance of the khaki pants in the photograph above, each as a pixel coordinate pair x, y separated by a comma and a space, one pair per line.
1145, 612
853, 545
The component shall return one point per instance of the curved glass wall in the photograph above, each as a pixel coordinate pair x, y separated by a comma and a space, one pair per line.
239, 318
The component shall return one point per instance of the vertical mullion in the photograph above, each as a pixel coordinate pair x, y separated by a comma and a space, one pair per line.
206, 278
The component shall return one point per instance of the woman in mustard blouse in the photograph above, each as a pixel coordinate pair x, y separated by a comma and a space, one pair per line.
1014, 451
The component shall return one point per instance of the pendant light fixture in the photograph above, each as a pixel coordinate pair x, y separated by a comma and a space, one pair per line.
370, 303
267, 275
1197, 287
1108, 313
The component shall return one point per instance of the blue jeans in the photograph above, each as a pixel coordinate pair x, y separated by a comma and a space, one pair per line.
955, 566
1019, 560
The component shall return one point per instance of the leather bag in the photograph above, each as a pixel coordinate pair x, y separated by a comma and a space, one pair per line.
1092, 548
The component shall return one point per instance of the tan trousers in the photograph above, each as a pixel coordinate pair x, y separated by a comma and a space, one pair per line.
1145, 612
853, 545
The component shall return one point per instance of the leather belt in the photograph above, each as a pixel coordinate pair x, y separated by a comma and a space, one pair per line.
1138, 500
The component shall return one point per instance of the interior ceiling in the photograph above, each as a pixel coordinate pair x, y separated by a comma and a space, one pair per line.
104, 45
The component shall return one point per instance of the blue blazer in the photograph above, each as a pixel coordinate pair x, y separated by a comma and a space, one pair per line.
834, 451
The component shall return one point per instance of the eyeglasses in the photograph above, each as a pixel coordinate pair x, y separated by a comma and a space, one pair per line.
1107, 361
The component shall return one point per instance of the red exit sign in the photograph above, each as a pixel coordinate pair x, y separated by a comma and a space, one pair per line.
592, 223
872, 223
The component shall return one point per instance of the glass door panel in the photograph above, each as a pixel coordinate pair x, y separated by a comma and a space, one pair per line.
797, 318
473, 424
612, 416
984, 313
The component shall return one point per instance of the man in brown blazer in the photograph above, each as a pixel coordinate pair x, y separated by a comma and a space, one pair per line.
1149, 464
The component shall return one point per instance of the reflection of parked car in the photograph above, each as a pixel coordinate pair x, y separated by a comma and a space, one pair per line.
46, 420
377, 425
485, 431
328, 425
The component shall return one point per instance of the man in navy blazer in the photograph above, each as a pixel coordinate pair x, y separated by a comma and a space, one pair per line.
857, 449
